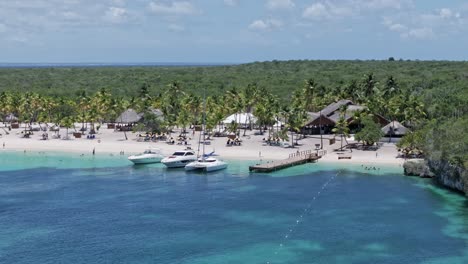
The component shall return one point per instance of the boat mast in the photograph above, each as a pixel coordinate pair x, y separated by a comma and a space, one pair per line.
204, 122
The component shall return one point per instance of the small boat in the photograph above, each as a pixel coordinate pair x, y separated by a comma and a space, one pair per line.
179, 159
206, 164
151, 155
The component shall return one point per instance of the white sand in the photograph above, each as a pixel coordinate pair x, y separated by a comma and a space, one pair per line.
109, 141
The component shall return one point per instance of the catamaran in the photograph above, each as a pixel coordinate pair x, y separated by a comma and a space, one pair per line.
206, 162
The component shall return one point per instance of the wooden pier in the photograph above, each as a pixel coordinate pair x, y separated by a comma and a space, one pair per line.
294, 159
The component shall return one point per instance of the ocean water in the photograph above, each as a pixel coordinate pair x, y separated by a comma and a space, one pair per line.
65, 208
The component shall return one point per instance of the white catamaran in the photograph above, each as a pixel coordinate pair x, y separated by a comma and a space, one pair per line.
205, 162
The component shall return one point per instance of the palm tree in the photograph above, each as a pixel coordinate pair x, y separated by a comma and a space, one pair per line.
83, 105
236, 103
391, 88
413, 110
103, 101
368, 85
6, 105
309, 94
249, 98
341, 126
294, 117
67, 122
171, 104
183, 118
144, 99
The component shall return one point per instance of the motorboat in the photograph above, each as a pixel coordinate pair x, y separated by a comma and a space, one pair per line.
179, 159
207, 164
151, 155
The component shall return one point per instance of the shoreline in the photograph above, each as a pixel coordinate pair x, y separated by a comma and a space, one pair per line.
253, 147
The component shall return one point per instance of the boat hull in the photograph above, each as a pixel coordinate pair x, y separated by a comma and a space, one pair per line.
177, 163
206, 166
144, 160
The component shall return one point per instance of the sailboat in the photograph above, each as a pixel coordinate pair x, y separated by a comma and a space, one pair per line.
205, 162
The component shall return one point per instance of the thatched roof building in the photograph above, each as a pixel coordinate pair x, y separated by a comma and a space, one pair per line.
395, 129
129, 116
11, 118
331, 114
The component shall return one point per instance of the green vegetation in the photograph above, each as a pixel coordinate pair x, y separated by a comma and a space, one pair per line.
429, 97
370, 132
280, 78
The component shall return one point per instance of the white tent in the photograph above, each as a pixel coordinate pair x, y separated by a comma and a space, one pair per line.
278, 124
240, 118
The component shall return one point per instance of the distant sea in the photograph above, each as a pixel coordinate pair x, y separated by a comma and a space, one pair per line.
67, 208
119, 64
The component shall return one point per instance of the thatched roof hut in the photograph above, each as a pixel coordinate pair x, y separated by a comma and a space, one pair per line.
11, 118
129, 116
333, 107
394, 128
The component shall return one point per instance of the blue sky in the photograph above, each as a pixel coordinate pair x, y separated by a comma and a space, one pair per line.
231, 30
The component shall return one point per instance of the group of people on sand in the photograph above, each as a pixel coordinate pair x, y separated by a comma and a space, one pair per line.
233, 142
272, 141
153, 136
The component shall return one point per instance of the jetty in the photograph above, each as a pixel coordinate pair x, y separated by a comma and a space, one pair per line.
294, 159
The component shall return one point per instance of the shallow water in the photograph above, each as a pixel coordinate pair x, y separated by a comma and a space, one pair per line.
57, 208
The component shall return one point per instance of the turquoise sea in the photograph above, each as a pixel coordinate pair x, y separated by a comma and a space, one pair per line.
66, 208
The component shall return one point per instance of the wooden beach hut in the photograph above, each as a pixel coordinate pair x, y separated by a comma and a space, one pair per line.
394, 129
127, 119
329, 116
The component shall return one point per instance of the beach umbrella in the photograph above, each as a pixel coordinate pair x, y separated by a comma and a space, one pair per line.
128, 116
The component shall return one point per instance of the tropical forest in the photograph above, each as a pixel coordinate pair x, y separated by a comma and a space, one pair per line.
428, 97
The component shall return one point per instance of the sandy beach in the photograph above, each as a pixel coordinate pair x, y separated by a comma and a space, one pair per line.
253, 147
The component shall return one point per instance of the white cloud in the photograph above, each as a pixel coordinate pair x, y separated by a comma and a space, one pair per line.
398, 27
231, 2
115, 14
118, 2
445, 13
70, 15
420, 33
383, 4
330, 10
3, 28
265, 25
339, 9
175, 8
316, 11
280, 4
19, 39
176, 28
